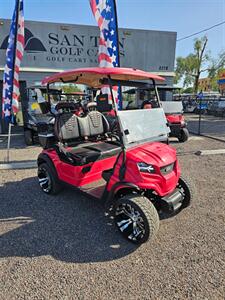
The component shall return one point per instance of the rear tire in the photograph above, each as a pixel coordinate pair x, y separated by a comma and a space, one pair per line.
136, 218
184, 135
48, 179
28, 137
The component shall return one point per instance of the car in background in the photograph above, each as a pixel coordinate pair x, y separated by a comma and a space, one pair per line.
212, 107
220, 108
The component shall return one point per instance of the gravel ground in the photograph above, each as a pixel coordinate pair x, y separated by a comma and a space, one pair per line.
65, 248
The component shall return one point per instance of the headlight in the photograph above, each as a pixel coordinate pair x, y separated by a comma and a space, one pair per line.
145, 168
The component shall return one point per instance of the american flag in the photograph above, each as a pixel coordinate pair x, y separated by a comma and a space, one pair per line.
14, 55
105, 15
108, 53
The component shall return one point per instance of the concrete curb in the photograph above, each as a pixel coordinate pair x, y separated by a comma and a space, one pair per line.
19, 165
210, 152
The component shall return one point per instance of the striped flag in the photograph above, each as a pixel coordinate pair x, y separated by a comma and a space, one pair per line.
105, 14
14, 55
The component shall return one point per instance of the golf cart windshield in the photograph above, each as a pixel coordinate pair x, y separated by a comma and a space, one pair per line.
37, 95
172, 107
140, 126
137, 126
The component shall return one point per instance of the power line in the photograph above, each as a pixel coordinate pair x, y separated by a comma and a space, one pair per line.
204, 30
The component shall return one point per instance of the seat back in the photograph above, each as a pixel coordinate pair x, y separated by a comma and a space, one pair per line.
84, 126
103, 103
93, 124
66, 127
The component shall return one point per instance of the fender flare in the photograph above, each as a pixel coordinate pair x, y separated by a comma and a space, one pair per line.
116, 188
44, 158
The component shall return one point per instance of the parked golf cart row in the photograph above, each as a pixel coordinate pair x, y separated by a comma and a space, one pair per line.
195, 106
217, 108
209, 106
37, 95
134, 173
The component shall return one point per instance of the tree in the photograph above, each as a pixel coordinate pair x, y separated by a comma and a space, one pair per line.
190, 68
216, 70
71, 88
188, 90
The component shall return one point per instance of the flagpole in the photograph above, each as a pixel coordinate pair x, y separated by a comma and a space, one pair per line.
117, 33
9, 140
118, 47
13, 71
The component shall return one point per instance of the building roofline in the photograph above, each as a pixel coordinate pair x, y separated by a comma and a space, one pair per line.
87, 25
47, 70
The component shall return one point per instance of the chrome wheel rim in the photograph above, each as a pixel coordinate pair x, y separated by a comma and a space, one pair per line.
130, 222
44, 180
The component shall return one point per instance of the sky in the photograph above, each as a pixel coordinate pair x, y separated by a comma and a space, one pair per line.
183, 16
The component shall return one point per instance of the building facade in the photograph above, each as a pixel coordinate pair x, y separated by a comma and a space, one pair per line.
205, 84
53, 47
221, 83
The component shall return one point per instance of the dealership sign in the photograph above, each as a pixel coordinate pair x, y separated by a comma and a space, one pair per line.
57, 46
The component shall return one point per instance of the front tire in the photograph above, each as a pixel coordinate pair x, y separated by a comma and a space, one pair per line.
184, 135
28, 137
48, 179
136, 218
187, 192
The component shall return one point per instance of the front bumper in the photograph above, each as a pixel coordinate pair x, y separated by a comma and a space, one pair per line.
175, 129
172, 202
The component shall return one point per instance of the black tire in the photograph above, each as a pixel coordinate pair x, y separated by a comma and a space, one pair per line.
184, 135
28, 137
187, 192
146, 218
48, 179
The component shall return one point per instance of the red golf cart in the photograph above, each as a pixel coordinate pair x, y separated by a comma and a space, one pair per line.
176, 121
134, 173
144, 97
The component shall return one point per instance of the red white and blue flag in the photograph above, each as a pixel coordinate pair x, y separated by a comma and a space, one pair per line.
105, 15
108, 54
14, 55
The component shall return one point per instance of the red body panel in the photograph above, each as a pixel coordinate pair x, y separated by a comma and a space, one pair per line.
175, 119
157, 154
73, 174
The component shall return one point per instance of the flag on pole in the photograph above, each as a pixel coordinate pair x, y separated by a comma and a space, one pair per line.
14, 55
105, 14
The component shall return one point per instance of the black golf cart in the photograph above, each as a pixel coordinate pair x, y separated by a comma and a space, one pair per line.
37, 114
